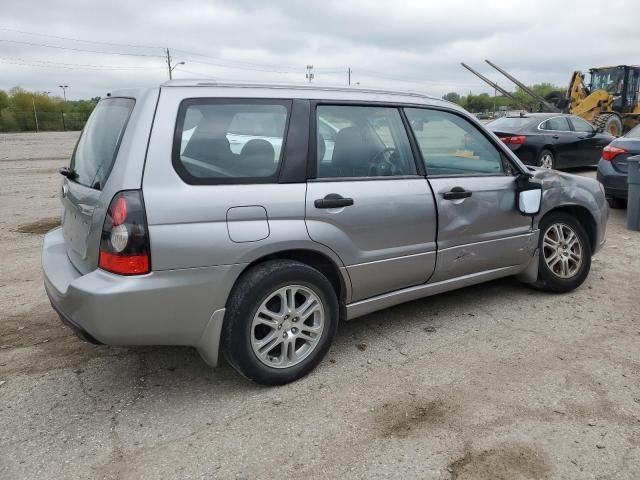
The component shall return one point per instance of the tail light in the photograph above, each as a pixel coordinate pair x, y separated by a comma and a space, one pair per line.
124, 244
610, 152
515, 140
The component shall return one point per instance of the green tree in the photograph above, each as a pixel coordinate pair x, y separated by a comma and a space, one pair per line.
452, 97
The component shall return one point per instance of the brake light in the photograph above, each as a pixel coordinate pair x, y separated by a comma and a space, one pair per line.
610, 152
124, 244
515, 140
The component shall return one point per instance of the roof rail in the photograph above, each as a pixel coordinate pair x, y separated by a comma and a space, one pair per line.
294, 86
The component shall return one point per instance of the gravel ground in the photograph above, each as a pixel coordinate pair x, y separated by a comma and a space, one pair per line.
496, 381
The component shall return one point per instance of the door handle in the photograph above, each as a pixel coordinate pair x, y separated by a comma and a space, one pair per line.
456, 193
581, 138
556, 137
333, 200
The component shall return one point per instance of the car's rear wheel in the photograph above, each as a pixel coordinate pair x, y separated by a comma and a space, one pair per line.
546, 159
565, 253
280, 321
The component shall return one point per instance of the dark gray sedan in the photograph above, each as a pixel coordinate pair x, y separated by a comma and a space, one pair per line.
613, 167
551, 140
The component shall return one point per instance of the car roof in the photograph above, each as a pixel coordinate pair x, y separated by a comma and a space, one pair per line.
540, 115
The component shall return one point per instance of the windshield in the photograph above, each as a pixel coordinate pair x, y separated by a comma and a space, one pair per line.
509, 122
609, 79
99, 142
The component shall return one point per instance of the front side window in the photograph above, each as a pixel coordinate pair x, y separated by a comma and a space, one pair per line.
450, 145
229, 140
580, 125
356, 141
557, 124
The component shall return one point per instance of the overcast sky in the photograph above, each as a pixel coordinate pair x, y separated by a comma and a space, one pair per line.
401, 44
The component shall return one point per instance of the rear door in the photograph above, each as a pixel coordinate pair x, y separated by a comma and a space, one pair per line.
561, 138
366, 200
479, 226
91, 164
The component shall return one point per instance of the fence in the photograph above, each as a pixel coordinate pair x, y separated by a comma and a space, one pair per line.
11, 121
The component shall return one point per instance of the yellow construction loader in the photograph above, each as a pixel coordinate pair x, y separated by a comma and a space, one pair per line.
611, 101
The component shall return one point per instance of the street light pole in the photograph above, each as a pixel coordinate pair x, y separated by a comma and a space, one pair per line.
64, 91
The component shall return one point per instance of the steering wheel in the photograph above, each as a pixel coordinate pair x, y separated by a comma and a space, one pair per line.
381, 165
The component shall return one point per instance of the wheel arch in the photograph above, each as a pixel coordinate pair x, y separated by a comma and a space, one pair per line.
584, 216
313, 258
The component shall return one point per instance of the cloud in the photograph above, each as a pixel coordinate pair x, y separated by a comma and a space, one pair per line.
411, 44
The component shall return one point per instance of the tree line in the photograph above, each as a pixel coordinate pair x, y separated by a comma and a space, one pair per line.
485, 102
25, 111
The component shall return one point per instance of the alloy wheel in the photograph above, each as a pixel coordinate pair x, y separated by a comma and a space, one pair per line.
547, 161
287, 326
562, 250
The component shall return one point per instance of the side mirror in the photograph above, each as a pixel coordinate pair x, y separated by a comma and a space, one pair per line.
528, 195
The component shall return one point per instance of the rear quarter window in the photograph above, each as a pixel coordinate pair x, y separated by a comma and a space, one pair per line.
99, 142
230, 140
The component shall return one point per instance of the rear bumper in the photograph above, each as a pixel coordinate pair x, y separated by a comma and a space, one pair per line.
614, 182
172, 307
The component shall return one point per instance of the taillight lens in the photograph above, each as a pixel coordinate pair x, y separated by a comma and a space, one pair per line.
515, 140
610, 152
124, 244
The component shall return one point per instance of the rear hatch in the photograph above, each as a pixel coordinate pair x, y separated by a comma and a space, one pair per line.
82, 191
631, 146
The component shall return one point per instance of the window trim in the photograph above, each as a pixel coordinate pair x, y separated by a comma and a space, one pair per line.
190, 179
498, 146
312, 165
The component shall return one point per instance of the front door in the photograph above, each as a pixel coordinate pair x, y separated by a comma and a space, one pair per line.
367, 202
590, 143
479, 226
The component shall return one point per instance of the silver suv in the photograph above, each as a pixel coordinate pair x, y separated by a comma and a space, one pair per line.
251, 219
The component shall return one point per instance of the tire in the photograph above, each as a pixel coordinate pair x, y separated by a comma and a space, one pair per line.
617, 203
277, 362
546, 159
559, 99
609, 123
554, 279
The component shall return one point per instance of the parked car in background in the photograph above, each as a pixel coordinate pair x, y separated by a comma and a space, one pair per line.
613, 167
551, 140
171, 236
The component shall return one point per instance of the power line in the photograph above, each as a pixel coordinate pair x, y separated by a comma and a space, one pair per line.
81, 49
77, 67
76, 39
35, 60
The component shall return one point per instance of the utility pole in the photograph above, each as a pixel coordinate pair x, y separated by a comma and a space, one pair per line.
35, 114
169, 63
495, 94
349, 76
309, 74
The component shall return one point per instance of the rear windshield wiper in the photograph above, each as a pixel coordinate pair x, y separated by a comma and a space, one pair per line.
68, 172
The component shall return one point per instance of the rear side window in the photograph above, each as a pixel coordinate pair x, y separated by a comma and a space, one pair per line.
230, 141
98, 145
558, 124
634, 132
450, 145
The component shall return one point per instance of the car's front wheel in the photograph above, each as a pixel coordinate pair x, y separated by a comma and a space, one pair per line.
280, 321
565, 253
